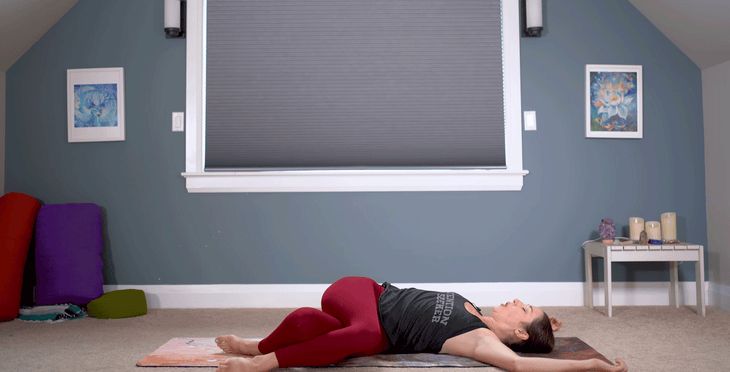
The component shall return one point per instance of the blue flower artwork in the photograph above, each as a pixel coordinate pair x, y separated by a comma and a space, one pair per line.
95, 105
613, 101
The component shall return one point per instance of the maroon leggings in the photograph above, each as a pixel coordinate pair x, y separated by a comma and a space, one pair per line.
347, 325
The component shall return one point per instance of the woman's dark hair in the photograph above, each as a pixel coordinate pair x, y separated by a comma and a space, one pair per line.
540, 340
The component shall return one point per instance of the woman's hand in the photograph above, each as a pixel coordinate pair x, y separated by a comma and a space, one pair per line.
605, 367
555, 323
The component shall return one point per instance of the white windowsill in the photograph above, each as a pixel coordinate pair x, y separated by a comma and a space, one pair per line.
199, 181
355, 181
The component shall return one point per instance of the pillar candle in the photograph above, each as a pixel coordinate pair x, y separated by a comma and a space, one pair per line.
636, 226
654, 230
669, 226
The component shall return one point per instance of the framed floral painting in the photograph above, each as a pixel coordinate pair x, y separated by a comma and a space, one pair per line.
95, 101
614, 101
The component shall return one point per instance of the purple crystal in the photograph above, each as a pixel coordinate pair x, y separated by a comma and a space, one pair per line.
606, 229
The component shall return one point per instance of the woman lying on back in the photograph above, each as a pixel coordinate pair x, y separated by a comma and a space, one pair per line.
359, 317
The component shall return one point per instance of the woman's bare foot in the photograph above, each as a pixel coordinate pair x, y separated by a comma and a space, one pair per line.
235, 345
261, 363
236, 365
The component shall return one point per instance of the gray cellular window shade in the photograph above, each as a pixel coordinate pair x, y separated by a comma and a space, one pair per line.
352, 84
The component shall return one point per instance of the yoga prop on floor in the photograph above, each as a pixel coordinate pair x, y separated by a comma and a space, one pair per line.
203, 352
68, 245
118, 304
51, 314
17, 217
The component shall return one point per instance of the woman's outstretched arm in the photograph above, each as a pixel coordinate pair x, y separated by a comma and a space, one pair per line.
492, 351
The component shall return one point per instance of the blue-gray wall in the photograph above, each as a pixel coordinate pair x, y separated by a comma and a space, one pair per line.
157, 233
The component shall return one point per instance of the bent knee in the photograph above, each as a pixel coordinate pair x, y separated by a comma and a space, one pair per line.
304, 312
310, 314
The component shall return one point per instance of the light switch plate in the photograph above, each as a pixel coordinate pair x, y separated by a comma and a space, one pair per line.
530, 120
178, 121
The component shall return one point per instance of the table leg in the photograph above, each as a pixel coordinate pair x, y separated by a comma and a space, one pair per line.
673, 284
700, 277
607, 276
589, 280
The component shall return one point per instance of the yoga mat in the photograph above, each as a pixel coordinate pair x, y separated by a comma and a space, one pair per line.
203, 352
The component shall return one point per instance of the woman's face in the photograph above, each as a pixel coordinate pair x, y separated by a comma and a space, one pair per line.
516, 313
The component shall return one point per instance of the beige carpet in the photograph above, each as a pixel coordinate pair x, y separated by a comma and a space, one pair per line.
647, 338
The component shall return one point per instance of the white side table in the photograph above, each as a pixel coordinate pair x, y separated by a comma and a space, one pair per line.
672, 253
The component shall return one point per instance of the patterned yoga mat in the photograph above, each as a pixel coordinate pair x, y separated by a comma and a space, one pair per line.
203, 352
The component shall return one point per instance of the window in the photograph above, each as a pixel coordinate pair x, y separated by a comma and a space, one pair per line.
200, 178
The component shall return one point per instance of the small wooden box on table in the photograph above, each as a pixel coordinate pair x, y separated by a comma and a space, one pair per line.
672, 253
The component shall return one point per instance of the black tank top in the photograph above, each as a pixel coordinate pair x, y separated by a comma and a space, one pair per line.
418, 321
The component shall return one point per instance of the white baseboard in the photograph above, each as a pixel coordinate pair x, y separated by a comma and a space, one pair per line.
719, 296
482, 294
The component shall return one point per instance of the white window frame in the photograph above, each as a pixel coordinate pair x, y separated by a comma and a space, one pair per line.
199, 181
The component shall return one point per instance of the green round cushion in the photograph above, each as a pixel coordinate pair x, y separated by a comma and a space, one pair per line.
119, 304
